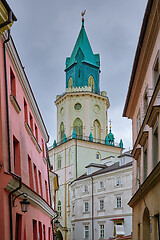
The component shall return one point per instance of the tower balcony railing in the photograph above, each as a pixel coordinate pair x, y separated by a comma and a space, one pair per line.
87, 139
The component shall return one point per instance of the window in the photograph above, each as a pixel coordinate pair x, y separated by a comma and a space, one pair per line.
101, 204
138, 173
30, 173
31, 121
86, 232
77, 106
25, 112
58, 161
74, 193
13, 83
119, 205
70, 83
36, 132
97, 131
49, 233
16, 156
91, 83
101, 185
155, 146
43, 148
69, 156
98, 155
101, 230
40, 182
145, 102
44, 232
138, 121
73, 209
36, 178
118, 181
145, 164
85, 188
78, 126
156, 70
40, 231
46, 191
59, 208
34, 230
61, 131
18, 227
86, 206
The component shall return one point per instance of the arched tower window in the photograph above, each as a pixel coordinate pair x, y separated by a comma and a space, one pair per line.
70, 83
78, 126
146, 225
91, 83
59, 208
61, 131
97, 130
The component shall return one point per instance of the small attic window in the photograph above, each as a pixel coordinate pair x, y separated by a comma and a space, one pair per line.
88, 171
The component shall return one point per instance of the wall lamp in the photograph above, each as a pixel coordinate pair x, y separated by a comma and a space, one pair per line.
56, 223
24, 203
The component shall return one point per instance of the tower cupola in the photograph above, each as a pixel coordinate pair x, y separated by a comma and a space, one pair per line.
83, 66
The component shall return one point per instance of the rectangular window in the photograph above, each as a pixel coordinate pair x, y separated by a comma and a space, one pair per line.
36, 132
13, 83
101, 204
101, 231
145, 164
43, 148
36, 178
86, 232
156, 70
31, 121
101, 185
25, 112
138, 173
49, 233
40, 183
44, 232
40, 231
86, 206
18, 226
119, 204
138, 121
30, 173
35, 230
118, 181
85, 188
16, 156
155, 147
46, 191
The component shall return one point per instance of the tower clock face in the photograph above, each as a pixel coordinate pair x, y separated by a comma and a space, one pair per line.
77, 106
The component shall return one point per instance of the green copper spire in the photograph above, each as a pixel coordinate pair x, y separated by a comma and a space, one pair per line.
82, 67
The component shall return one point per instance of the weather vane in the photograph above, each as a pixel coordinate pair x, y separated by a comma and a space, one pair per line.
110, 123
82, 14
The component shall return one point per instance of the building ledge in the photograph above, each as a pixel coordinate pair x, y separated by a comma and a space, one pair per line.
15, 103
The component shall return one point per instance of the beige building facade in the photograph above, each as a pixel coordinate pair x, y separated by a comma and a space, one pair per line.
143, 107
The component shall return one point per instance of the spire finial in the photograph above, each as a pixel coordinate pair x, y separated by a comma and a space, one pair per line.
82, 14
110, 124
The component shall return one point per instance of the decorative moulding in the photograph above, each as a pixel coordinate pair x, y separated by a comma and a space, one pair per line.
153, 117
15, 103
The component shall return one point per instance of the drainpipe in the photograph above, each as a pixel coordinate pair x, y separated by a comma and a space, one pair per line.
8, 139
92, 211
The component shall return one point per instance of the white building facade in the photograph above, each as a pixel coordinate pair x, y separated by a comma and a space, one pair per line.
99, 201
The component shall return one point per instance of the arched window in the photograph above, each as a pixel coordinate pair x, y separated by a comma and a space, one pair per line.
59, 208
97, 131
91, 83
78, 126
70, 83
98, 156
58, 162
146, 225
61, 131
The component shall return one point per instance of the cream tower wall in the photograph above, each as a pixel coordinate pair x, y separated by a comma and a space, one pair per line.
94, 107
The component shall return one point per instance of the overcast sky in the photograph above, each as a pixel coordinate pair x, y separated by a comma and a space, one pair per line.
45, 34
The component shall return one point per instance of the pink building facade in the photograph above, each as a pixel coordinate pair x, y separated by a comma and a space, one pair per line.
143, 107
23, 154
